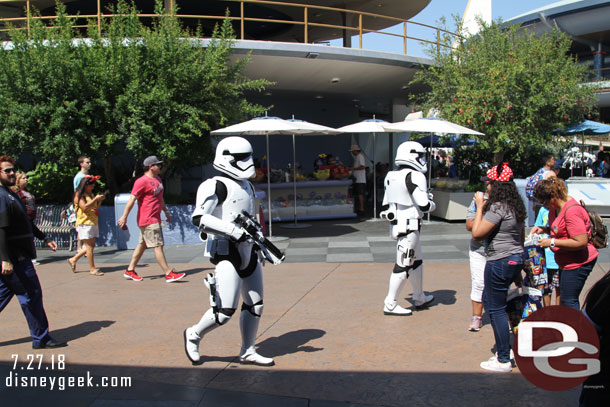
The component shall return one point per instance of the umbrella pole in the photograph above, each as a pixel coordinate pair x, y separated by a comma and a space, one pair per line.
269, 188
294, 177
582, 154
294, 225
374, 181
430, 170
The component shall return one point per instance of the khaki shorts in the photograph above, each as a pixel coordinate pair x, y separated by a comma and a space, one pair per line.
151, 235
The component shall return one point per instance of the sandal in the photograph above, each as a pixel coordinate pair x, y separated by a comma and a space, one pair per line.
72, 266
96, 273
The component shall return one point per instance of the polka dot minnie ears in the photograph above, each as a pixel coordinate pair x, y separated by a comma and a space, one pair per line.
500, 172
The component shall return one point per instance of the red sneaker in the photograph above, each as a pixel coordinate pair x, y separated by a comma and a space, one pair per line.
173, 276
132, 275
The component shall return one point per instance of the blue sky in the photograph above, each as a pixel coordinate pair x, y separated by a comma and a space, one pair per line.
504, 9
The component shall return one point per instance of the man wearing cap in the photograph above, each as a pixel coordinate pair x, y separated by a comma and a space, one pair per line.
17, 250
148, 191
359, 173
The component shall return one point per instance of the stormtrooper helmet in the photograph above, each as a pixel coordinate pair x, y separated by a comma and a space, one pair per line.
234, 158
411, 154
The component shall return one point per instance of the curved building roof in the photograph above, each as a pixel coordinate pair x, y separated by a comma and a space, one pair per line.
261, 30
585, 19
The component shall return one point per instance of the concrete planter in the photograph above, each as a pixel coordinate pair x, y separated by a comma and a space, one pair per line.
451, 205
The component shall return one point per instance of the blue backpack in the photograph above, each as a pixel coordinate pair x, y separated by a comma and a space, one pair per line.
531, 183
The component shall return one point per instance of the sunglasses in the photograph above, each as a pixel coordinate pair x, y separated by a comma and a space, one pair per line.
159, 165
8, 170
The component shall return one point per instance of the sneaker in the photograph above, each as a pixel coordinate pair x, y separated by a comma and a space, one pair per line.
173, 276
395, 309
50, 344
132, 275
475, 324
513, 362
253, 358
495, 366
422, 300
191, 345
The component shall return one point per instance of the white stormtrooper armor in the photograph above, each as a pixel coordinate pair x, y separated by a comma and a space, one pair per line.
238, 269
407, 198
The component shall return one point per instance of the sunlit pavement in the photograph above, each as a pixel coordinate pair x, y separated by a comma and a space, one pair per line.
323, 324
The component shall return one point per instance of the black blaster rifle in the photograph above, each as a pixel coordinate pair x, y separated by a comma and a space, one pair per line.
253, 232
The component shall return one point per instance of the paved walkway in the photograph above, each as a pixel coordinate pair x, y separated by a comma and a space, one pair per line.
340, 241
323, 324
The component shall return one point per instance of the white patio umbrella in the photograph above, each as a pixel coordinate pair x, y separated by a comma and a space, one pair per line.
416, 123
311, 129
262, 126
372, 126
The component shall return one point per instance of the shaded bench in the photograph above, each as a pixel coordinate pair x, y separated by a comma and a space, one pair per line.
50, 221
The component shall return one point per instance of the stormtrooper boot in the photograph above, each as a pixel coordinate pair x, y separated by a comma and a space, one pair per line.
417, 281
248, 323
421, 300
249, 356
390, 305
191, 345
193, 335
392, 308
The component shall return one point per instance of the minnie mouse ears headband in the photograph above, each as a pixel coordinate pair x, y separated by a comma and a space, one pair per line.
500, 172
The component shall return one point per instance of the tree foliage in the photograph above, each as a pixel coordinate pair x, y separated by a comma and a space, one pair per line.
509, 83
149, 89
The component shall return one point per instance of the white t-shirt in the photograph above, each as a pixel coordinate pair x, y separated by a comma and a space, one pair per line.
359, 175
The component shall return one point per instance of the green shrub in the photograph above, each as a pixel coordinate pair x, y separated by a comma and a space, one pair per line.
475, 187
52, 183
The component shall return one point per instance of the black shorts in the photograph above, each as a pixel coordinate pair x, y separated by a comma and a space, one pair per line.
359, 189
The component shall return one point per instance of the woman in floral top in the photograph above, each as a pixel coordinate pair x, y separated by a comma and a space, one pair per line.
26, 196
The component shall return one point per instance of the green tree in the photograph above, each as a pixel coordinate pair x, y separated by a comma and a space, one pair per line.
149, 89
511, 84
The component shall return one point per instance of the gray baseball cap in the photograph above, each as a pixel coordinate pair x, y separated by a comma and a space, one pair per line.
151, 160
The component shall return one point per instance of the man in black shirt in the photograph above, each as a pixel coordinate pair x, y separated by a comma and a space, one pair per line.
17, 250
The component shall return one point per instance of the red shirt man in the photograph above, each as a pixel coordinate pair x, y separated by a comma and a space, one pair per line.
148, 191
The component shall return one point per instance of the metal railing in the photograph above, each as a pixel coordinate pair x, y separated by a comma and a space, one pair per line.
600, 74
306, 23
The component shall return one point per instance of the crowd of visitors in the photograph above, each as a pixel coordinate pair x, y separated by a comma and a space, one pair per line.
497, 254
495, 218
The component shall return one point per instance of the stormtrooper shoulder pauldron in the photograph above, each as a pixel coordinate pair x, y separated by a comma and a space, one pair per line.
236, 196
396, 191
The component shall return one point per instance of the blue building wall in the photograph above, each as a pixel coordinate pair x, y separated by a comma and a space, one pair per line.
179, 231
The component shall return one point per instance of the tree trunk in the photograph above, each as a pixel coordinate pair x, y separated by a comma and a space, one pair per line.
109, 173
498, 157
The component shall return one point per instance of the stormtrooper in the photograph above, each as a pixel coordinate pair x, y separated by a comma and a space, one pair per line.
238, 269
407, 198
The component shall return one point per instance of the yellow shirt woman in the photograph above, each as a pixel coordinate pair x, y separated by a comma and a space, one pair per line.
89, 216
